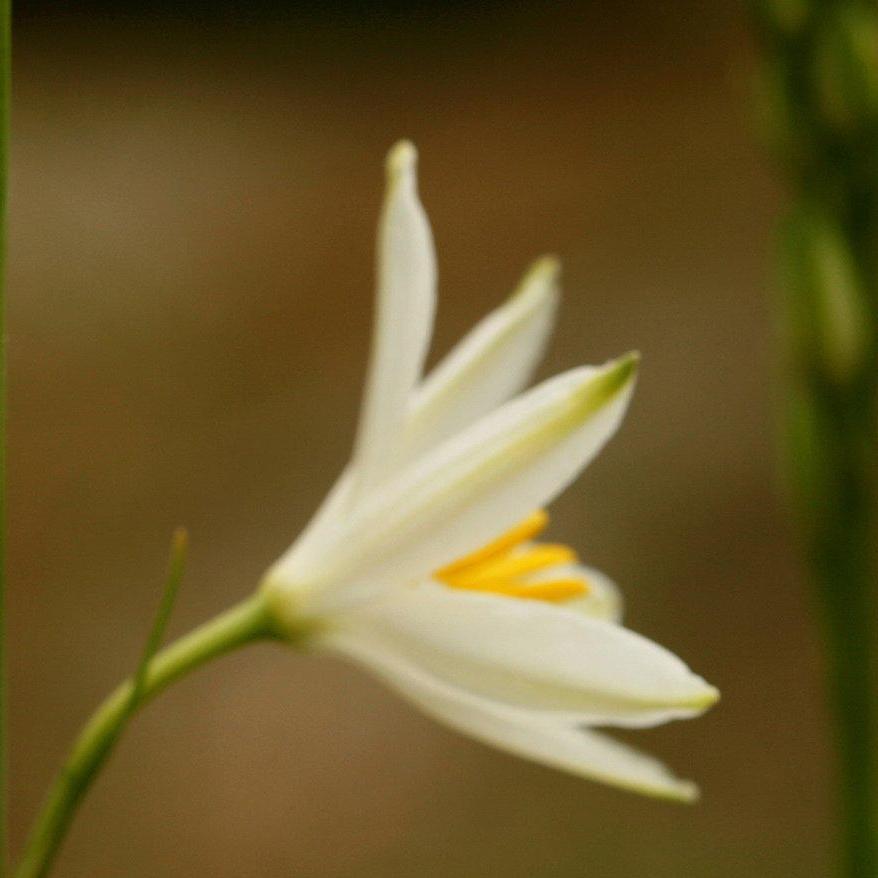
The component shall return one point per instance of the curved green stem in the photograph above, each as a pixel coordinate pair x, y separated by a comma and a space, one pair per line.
244, 623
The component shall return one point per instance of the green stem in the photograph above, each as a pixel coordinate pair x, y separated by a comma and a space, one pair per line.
842, 555
5, 75
244, 623
820, 103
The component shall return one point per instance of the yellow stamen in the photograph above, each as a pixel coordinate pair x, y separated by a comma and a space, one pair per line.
552, 590
511, 565
531, 527
548, 590
502, 567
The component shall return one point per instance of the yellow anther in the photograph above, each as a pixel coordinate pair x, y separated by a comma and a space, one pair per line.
552, 590
503, 566
531, 527
549, 590
511, 565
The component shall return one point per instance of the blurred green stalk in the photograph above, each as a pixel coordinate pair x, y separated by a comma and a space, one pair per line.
819, 92
5, 58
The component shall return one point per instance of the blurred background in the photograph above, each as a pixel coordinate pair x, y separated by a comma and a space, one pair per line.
195, 190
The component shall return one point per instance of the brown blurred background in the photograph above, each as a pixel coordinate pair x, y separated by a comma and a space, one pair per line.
195, 194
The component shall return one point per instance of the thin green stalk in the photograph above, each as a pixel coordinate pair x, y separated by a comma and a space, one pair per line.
5, 75
244, 623
841, 549
820, 85
176, 568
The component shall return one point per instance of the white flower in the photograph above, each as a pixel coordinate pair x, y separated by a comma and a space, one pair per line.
514, 643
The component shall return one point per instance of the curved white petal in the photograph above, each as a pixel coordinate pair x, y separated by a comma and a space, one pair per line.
333, 505
529, 734
406, 300
471, 488
533, 655
491, 364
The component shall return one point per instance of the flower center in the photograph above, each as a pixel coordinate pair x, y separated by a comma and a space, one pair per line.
514, 566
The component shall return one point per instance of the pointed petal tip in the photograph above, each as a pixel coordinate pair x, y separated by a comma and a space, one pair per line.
631, 360
540, 282
622, 371
710, 697
685, 791
401, 159
596, 389
703, 698
670, 789
548, 266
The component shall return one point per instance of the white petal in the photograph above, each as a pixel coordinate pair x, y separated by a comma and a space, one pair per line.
491, 364
528, 734
467, 491
494, 361
534, 655
406, 300
335, 503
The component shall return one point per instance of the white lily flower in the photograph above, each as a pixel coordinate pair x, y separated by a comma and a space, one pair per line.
423, 565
